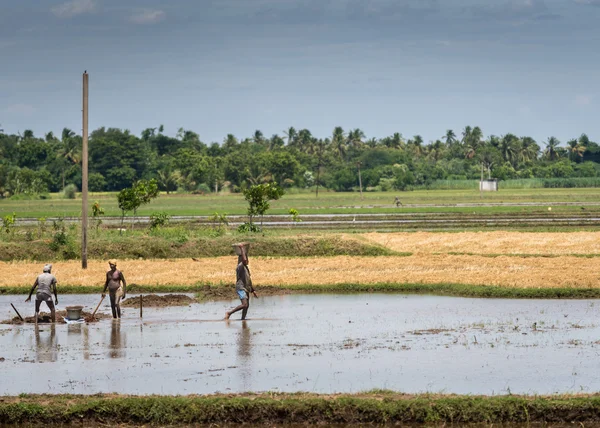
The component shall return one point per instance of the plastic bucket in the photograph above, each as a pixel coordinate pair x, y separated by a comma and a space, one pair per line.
74, 312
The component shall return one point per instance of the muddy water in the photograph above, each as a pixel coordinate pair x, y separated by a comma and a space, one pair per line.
314, 343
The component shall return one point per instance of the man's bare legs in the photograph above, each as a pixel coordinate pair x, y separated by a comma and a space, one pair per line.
245, 310
50, 306
242, 307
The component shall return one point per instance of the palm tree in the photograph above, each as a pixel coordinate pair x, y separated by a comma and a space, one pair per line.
529, 149
355, 138
168, 179
552, 146
258, 137
28, 134
508, 147
450, 137
291, 135
372, 143
338, 142
476, 137
303, 140
70, 151
417, 145
276, 142
466, 135
575, 150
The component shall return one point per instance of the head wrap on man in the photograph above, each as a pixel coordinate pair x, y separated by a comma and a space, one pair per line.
112, 262
47, 268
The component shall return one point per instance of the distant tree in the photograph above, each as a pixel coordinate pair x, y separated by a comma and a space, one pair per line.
552, 149
258, 197
291, 135
338, 142
131, 198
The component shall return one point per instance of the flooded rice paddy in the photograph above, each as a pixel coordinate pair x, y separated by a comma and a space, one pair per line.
314, 343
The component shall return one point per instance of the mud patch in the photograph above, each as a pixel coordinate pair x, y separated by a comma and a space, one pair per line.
45, 318
430, 331
155, 301
227, 292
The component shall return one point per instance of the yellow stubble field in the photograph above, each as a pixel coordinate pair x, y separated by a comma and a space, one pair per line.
565, 271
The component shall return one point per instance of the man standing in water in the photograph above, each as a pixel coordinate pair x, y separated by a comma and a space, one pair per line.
116, 292
243, 284
46, 285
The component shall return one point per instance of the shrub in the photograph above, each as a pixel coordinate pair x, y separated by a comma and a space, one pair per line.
71, 191
158, 220
248, 227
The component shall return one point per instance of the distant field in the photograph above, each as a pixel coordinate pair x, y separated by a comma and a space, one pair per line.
490, 243
326, 203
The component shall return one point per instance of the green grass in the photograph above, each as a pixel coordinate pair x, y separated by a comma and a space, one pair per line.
304, 202
379, 407
208, 291
180, 242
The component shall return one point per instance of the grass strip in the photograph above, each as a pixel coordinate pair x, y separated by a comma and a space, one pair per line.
209, 291
381, 408
177, 244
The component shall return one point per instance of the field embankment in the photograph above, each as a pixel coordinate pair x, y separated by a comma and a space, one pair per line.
370, 408
179, 244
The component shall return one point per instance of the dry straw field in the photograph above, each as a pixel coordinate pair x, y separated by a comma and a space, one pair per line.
432, 262
559, 243
506, 271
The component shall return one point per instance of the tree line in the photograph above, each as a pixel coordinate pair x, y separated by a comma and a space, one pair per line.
33, 165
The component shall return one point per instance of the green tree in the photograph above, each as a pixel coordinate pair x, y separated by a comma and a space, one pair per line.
131, 198
552, 149
258, 197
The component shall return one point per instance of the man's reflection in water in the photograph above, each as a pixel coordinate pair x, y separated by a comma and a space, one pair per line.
46, 347
117, 342
245, 356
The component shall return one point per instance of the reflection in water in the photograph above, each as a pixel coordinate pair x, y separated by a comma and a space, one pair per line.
46, 348
245, 356
117, 342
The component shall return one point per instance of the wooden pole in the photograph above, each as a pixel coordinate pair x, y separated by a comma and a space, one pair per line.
18, 314
359, 180
84, 175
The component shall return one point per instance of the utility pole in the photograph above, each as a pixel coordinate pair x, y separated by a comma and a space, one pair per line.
359, 180
84, 175
481, 183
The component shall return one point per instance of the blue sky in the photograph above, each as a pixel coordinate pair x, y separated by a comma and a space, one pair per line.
232, 66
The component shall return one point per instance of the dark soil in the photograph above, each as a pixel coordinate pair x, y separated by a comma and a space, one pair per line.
45, 318
152, 300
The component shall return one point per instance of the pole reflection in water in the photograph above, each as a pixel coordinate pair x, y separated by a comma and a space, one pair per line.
46, 347
117, 341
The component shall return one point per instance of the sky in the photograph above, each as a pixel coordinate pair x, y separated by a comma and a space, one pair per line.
529, 67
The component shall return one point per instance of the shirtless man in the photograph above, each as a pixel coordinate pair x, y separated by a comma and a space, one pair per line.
46, 285
116, 292
243, 284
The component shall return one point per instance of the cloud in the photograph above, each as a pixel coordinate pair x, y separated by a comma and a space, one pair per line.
20, 109
73, 8
148, 16
583, 100
588, 2
515, 11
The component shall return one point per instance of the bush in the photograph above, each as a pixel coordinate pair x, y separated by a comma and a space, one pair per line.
203, 188
248, 228
71, 191
158, 220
